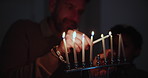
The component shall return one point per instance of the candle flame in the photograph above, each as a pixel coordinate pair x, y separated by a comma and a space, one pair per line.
92, 33
102, 35
110, 33
63, 35
83, 35
74, 34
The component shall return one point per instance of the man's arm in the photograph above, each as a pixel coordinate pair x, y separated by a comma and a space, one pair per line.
15, 58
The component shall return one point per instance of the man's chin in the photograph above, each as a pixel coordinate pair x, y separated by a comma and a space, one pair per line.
72, 27
66, 27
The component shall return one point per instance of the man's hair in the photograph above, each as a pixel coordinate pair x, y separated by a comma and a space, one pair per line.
87, 0
130, 31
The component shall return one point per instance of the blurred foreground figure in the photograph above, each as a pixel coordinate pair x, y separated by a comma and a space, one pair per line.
132, 41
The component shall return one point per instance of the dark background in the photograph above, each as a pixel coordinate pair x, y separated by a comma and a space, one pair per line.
99, 16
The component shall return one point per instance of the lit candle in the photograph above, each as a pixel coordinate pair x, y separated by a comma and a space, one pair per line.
65, 46
119, 46
91, 46
98, 40
74, 50
103, 46
111, 44
83, 48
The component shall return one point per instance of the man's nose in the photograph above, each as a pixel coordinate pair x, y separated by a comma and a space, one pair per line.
76, 17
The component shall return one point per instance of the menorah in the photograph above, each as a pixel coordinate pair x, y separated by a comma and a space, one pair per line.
113, 61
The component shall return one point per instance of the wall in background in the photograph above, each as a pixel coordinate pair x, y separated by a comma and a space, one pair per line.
13, 10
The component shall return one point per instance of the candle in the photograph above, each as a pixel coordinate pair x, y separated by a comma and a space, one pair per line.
65, 46
111, 44
122, 46
83, 48
91, 46
119, 46
98, 40
103, 46
74, 50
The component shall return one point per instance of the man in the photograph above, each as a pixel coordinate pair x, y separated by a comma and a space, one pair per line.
28, 47
132, 41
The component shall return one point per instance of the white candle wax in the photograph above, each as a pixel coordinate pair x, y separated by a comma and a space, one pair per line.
98, 40
91, 46
122, 46
119, 45
111, 44
74, 50
65, 46
83, 48
103, 46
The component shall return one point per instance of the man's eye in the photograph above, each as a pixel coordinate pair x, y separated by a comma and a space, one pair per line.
69, 6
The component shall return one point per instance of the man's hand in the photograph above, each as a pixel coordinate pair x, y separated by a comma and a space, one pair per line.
98, 72
78, 41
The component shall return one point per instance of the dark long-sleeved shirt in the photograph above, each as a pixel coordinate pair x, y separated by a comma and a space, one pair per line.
25, 51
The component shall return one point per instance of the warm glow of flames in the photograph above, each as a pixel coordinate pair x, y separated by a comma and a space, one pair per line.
83, 35
92, 33
102, 35
74, 34
63, 35
110, 33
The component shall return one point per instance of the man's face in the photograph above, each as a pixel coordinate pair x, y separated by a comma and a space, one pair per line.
67, 14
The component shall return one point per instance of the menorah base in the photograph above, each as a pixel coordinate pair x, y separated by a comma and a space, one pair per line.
88, 68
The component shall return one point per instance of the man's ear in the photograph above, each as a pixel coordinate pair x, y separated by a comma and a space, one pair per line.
52, 5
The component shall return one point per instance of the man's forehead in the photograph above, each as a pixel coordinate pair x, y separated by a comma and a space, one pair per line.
75, 2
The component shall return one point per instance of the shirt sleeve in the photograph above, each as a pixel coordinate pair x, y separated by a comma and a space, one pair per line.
14, 57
